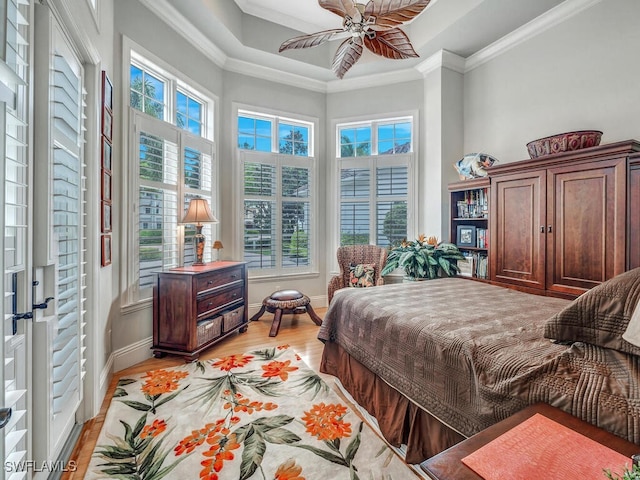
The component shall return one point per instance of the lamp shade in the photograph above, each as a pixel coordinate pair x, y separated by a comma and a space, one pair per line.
199, 212
217, 245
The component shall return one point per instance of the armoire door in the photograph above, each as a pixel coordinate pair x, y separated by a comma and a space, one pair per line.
585, 208
517, 232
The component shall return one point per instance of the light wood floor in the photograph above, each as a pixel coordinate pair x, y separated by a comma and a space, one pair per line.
297, 331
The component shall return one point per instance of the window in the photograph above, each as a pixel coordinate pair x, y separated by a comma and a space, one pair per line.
375, 164
277, 165
175, 163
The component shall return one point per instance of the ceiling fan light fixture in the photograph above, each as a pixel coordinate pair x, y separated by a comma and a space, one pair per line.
373, 26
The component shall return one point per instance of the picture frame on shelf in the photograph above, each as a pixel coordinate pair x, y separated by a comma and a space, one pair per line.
466, 236
106, 250
106, 217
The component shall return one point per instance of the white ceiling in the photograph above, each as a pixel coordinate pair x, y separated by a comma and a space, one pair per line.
244, 35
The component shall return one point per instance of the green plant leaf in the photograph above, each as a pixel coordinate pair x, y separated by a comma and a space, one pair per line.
143, 407
123, 382
313, 382
324, 454
353, 446
252, 455
269, 423
281, 436
171, 397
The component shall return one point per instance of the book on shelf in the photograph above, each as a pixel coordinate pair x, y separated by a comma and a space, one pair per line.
475, 264
474, 205
467, 266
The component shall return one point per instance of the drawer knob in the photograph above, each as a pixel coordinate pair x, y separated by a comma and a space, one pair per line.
210, 282
235, 295
209, 304
235, 275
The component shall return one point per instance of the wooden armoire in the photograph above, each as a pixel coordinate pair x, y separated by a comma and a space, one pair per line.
564, 223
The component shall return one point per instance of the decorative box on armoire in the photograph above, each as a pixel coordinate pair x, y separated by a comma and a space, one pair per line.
197, 306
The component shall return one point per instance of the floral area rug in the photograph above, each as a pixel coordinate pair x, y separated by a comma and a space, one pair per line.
259, 415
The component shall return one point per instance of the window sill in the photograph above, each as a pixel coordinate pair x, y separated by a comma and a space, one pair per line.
272, 277
136, 307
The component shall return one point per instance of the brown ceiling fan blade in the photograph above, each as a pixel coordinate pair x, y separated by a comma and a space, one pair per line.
392, 43
340, 7
391, 13
347, 55
311, 40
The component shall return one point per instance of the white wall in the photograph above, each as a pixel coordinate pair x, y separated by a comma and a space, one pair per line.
581, 74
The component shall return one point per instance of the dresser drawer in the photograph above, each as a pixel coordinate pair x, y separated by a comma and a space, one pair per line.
232, 319
216, 279
210, 303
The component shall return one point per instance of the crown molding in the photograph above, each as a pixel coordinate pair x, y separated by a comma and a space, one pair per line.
180, 24
535, 27
372, 80
274, 75
442, 59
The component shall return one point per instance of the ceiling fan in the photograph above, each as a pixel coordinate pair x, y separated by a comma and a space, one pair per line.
374, 25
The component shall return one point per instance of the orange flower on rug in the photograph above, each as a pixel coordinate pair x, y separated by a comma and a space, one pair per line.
259, 415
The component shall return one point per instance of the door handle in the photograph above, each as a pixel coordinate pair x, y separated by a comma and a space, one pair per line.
541, 228
14, 304
42, 306
5, 415
549, 229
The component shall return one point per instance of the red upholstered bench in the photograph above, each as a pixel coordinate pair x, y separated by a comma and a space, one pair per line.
286, 301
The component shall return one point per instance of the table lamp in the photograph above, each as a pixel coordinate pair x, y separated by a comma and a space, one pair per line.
217, 245
197, 214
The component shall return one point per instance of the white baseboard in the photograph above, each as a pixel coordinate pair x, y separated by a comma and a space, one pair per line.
139, 351
105, 380
131, 354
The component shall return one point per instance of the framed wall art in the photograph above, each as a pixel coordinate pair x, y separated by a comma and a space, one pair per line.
106, 154
106, 217
106, 170
106, 185
106, 250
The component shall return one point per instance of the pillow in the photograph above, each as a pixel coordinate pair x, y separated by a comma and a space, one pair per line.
600, 316
632, 333
362, 275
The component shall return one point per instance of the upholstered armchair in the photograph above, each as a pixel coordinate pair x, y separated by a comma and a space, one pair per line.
354, 255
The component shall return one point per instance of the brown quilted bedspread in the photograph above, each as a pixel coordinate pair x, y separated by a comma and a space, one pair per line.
472, 354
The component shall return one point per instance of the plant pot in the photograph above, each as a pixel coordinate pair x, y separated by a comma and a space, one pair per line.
406, 279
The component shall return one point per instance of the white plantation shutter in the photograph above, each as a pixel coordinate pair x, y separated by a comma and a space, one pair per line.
14, 118
278, 233
173, 167
60, 233
374, 195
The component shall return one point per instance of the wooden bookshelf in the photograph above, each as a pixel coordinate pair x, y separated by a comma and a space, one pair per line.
469, 225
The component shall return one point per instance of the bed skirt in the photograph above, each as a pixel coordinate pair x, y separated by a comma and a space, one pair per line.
400, 420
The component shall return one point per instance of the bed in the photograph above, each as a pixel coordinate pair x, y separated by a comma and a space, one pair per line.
438, 361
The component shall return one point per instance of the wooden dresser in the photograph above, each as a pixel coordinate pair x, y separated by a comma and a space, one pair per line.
197, 306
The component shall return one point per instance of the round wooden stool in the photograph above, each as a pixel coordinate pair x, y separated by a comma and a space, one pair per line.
286, 301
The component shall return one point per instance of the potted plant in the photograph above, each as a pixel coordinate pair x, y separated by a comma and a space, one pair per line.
424, 258
633, 474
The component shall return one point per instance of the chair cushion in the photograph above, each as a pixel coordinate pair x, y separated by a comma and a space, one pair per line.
362, 275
